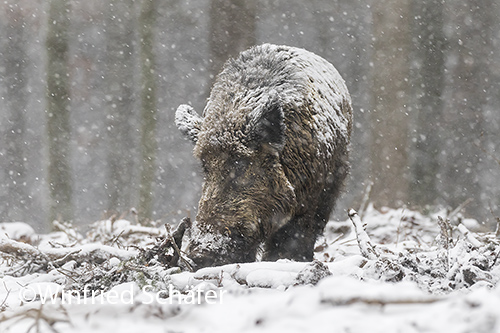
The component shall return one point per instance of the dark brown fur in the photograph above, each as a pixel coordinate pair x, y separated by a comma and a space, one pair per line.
273, 146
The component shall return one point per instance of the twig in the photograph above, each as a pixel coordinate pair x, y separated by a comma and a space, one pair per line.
59, 245
497, 230
337, 239
66, 273
459, 208
469, 236
24, 266
444, 241
364, 242
445, 232
128, 232
115, 239
495, 260
399, 226
180, 230
3, 306
365, 200
64, 259
176, 249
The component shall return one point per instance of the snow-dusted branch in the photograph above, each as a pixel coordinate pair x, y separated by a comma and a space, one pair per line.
96, 253
175, 238
379, 300
444, 240
469, 236
365, 246
445, 233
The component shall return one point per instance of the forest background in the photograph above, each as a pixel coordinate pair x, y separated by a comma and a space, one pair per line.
88, 91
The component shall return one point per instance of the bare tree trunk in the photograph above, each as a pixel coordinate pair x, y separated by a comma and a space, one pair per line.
390, 73
16, 81
120, 96
148, 114
429, 87
471, 46
232, 29
58, 112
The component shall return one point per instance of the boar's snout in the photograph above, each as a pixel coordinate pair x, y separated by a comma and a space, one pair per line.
201, 257
208, 246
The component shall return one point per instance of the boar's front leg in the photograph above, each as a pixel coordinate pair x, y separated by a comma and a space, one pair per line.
297, 238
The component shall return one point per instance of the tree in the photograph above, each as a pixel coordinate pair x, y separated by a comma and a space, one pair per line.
148, 114
58, 111
232, 29
389, 123
471, 54
428, 88
120, 94
16, 80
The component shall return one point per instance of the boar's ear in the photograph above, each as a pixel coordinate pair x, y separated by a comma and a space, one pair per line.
188, 122
267, 126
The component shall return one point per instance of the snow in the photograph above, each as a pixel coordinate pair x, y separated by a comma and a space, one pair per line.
304, 82
188, 121
327, 89
401, 285
16, 230
210, 240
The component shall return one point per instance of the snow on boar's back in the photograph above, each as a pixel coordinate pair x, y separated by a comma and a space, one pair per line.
273, 144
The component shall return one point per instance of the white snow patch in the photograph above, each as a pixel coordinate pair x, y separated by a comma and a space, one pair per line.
405, 289
16, 231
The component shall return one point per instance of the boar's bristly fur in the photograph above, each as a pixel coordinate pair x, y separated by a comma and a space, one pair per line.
273, 144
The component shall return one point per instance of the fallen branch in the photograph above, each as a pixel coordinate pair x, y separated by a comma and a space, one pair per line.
380, 301
176, 240
365, 246
469, 236
96, 253
15, 248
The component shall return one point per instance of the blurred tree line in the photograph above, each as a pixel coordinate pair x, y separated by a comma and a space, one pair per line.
89, 90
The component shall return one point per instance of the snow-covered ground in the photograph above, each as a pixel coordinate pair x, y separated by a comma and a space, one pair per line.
414, 273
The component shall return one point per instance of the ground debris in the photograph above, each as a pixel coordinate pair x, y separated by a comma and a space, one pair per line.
312, 273
409, 264
457, 259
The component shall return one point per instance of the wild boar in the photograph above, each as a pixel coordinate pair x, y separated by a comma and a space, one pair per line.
273, 146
